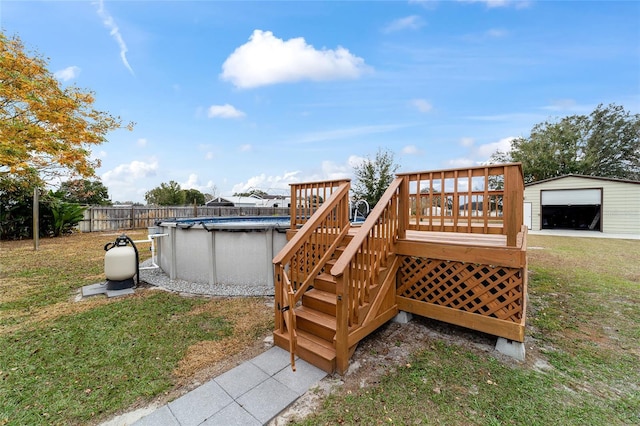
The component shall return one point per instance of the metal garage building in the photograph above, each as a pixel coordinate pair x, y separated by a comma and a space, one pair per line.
584, 203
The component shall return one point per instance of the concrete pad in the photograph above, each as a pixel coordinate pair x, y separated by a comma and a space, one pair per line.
200, 404
123, 292
232, 415
402, 317
267, 399
273, 360
94, 289
241, 379
511, 348
299, 381
131, 417
162, 416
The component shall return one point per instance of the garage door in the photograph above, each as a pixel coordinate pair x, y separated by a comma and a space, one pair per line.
572, 197
572, 209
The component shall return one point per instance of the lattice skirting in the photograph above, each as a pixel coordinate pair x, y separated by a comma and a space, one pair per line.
490, 291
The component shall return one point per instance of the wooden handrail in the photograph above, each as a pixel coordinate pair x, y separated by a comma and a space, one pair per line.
485, 199
308, 196
302, 258
463, 169
357, 270
310, 226
343, 261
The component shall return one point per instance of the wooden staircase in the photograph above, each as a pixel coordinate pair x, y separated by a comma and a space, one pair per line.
316, 320
316, 313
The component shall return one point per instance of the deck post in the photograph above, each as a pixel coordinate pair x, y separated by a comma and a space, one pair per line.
293, 208
513, 200
342, 324
403, 208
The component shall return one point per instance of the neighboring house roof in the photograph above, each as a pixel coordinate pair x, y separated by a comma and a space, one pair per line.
252, 200
584, 177
475, 205
230, 200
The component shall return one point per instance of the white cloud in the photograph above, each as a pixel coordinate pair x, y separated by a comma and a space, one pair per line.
496, 33
246, 147
114, 31
267, 183
411, 150
567, 106
69, 73
485, 151
350, 132
355, 161
224, 111
129, 172
266, 59
334, 171
518, 4
458, 163
142, 142
422, 105
124, 181
427, 4
193, 182
468, 142
479, 154
412, 22
208, 155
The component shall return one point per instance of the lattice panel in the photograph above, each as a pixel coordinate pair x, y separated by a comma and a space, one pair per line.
491, 291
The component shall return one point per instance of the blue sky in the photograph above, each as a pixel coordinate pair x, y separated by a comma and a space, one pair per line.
229, 96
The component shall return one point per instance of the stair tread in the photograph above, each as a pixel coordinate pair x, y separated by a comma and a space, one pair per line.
325, 276
317, 317
312, 343
322, 295
315, 341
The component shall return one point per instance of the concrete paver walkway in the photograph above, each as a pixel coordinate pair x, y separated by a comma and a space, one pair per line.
252, 393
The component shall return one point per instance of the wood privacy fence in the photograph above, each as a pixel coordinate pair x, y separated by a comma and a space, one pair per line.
114, 218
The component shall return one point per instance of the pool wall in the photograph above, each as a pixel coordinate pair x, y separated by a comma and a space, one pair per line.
222, 251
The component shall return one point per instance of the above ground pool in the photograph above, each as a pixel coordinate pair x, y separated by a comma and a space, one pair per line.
221, 251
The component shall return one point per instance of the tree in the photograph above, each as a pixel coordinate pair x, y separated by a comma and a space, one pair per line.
605, 143
193, 196
45, 127
57, 216
65, 216
373, 177
166, 195
84, 191
16, 201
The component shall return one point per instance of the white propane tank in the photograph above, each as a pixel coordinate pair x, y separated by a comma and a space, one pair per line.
120, 263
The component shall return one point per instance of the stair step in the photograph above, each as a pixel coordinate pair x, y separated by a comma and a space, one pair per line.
315, 322
310, 348
320, 300
325, 282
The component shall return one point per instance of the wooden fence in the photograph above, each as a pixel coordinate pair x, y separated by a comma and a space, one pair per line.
114, 218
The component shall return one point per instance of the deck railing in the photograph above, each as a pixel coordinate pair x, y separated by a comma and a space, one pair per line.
357, 270
486, 199
303, 257
307, 197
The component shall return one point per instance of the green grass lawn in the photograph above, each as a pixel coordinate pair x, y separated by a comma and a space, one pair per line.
583, 354
67, 362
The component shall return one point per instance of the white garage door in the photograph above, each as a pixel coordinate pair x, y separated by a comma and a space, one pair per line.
572, 197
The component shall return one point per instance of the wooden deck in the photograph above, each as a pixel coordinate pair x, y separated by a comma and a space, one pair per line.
463, 263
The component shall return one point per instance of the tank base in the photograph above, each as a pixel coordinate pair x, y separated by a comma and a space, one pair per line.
120, 285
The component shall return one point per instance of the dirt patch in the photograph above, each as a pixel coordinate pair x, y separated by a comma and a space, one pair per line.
200, 356
390, 348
